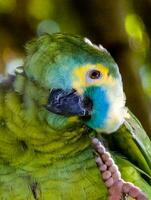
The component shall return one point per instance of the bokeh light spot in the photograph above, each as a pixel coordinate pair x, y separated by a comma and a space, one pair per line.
138, 37
145, 75
134, 26
13, 64
47, 26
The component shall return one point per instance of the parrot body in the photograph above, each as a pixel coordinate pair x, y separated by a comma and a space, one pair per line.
45, 112
56, 168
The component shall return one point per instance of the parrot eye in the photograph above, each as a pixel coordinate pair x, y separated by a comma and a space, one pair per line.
95, 74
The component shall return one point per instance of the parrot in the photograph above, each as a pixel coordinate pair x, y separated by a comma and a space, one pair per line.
67, 92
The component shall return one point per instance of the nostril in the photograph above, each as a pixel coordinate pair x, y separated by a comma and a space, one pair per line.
73, 90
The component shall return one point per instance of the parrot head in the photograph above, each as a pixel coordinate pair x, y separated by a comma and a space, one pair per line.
82, 80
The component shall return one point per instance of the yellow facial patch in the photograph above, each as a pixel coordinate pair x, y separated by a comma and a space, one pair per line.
81, 79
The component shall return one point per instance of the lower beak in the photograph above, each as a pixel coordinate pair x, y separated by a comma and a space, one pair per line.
68, 103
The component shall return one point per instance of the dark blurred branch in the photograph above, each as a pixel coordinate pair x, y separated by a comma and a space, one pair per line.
17, 25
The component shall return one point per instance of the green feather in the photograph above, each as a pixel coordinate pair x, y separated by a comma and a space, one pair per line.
47, 156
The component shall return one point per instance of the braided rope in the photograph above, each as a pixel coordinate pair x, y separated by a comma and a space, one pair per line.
118, 189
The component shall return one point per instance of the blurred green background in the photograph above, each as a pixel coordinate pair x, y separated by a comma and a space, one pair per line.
121, 26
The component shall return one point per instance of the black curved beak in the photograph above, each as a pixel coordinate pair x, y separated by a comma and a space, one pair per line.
68, 103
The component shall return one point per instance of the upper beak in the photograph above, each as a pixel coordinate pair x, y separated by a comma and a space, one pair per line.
68, 103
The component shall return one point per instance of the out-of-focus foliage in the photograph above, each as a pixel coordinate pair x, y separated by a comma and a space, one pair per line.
138, 38
7, 6
121, 26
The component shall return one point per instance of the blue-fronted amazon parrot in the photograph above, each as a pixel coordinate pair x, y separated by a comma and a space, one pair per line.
67, 92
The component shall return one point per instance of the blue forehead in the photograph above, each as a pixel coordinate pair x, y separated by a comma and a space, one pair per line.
100, 106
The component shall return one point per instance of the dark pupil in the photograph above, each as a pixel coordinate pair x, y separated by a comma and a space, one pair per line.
95, 74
